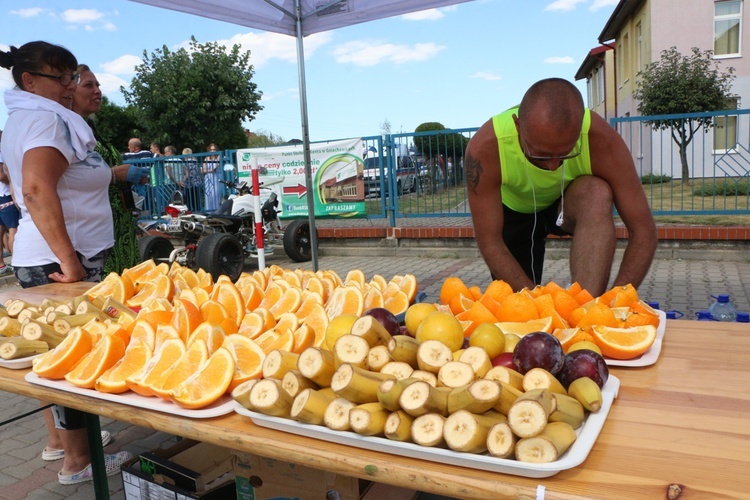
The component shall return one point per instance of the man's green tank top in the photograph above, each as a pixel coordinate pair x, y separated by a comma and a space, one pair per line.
519, 174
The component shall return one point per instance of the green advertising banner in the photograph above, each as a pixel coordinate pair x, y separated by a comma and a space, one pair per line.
337, 174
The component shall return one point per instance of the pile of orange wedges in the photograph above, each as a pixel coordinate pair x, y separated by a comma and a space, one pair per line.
193, 339
622, 325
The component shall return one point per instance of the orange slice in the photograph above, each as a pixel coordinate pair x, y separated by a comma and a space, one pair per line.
373, 298
155, 317
287, 321
273, 294
186, 318
214, 312
166, 356
248, 359
451, 287
115, 286
624, 343
640, 319
252, 294
192, 359
143, 331
346, 300
398, 303
309, 299
518, 307
569, 336
289, 302
522, 328
598, 314
460, 303
253, 324
150, 275
136, 271
108, 351
55, 364
355, 277
136, 356
318, 320
304, 337
292, 278
208, 384
212, 335
164, 333
314, 284
408, 285
228, 295
498, 290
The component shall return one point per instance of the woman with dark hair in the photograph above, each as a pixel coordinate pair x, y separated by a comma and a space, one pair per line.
61, 186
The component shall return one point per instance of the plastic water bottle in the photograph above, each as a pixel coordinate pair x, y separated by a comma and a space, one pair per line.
743, 317
723, 309
673, 314
703, 315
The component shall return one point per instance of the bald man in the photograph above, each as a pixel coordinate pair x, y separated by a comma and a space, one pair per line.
550, 166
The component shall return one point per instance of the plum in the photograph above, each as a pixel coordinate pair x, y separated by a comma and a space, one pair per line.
583, 363
385, 318
538, 350
505, 359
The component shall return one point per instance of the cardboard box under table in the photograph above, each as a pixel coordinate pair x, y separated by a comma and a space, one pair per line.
189, 469
260, 478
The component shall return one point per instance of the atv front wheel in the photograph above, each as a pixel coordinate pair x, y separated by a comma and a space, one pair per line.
155, 247
297, 241
221, 253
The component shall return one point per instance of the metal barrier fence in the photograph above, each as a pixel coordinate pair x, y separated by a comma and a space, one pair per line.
421, 174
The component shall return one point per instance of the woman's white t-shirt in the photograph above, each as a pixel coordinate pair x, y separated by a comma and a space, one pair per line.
83, 189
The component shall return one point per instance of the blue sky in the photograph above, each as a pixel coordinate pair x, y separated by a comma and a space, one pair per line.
457, 65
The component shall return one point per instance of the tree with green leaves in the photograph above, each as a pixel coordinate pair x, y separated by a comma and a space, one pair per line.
683, 84
263, 139
196, 96
117, 124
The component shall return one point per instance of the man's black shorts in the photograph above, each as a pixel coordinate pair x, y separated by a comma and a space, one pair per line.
526, 234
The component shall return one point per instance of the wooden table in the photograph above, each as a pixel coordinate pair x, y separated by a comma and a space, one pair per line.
679, 427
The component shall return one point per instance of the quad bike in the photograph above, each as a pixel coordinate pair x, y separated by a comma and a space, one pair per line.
219, 241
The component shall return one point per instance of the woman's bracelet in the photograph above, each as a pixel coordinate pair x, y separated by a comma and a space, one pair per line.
113, 176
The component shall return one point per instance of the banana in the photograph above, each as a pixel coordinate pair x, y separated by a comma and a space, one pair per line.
278, 362
87, 307
390, 390
293, 382
478, 397
539, 378
241, 393
368, 419
508, 396
467, 432
10, 327
317, 365
267, 397
336, 416
478, 358
48, 302
528, 415
427, 429
587, 392
119, 311
33, 330
404, 348
356, 384
432, 354
30, 314
501, 441
19, 347
16, 306
547, 446
378, 357
309, 406
506, 375
568, 410
398, 369
372, 331
398, 426
428, 377
455, 374
419, 398
66, 308
352, 350
64, 325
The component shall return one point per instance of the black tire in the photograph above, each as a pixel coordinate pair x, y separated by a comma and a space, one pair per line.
221, 253
297, 241
154, 247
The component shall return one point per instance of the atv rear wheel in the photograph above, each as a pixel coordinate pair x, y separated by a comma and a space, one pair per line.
155, 247
297, 241
221, 253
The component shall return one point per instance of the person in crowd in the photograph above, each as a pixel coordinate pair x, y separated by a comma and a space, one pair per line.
9, 216
134, 153
61, 187
550, 166
211, 179
155, 150
192, 181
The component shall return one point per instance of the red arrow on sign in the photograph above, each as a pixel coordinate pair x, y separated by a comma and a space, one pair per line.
299, 190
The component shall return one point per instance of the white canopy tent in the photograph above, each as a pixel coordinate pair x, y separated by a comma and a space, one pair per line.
299, 18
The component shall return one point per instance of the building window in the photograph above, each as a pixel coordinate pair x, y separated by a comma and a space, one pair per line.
725, 132
727, 27
599, 76
590, 92
639, 50
625, 55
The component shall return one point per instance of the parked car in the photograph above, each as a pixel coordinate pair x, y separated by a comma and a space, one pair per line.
406, 175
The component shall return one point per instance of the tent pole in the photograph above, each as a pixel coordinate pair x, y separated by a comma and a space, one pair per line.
306, 135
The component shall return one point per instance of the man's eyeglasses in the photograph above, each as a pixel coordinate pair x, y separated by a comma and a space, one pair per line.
64, 80
576, 152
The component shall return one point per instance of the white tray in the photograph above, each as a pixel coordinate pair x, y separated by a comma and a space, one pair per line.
221, 407
649, 357
577, 453
17, 364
